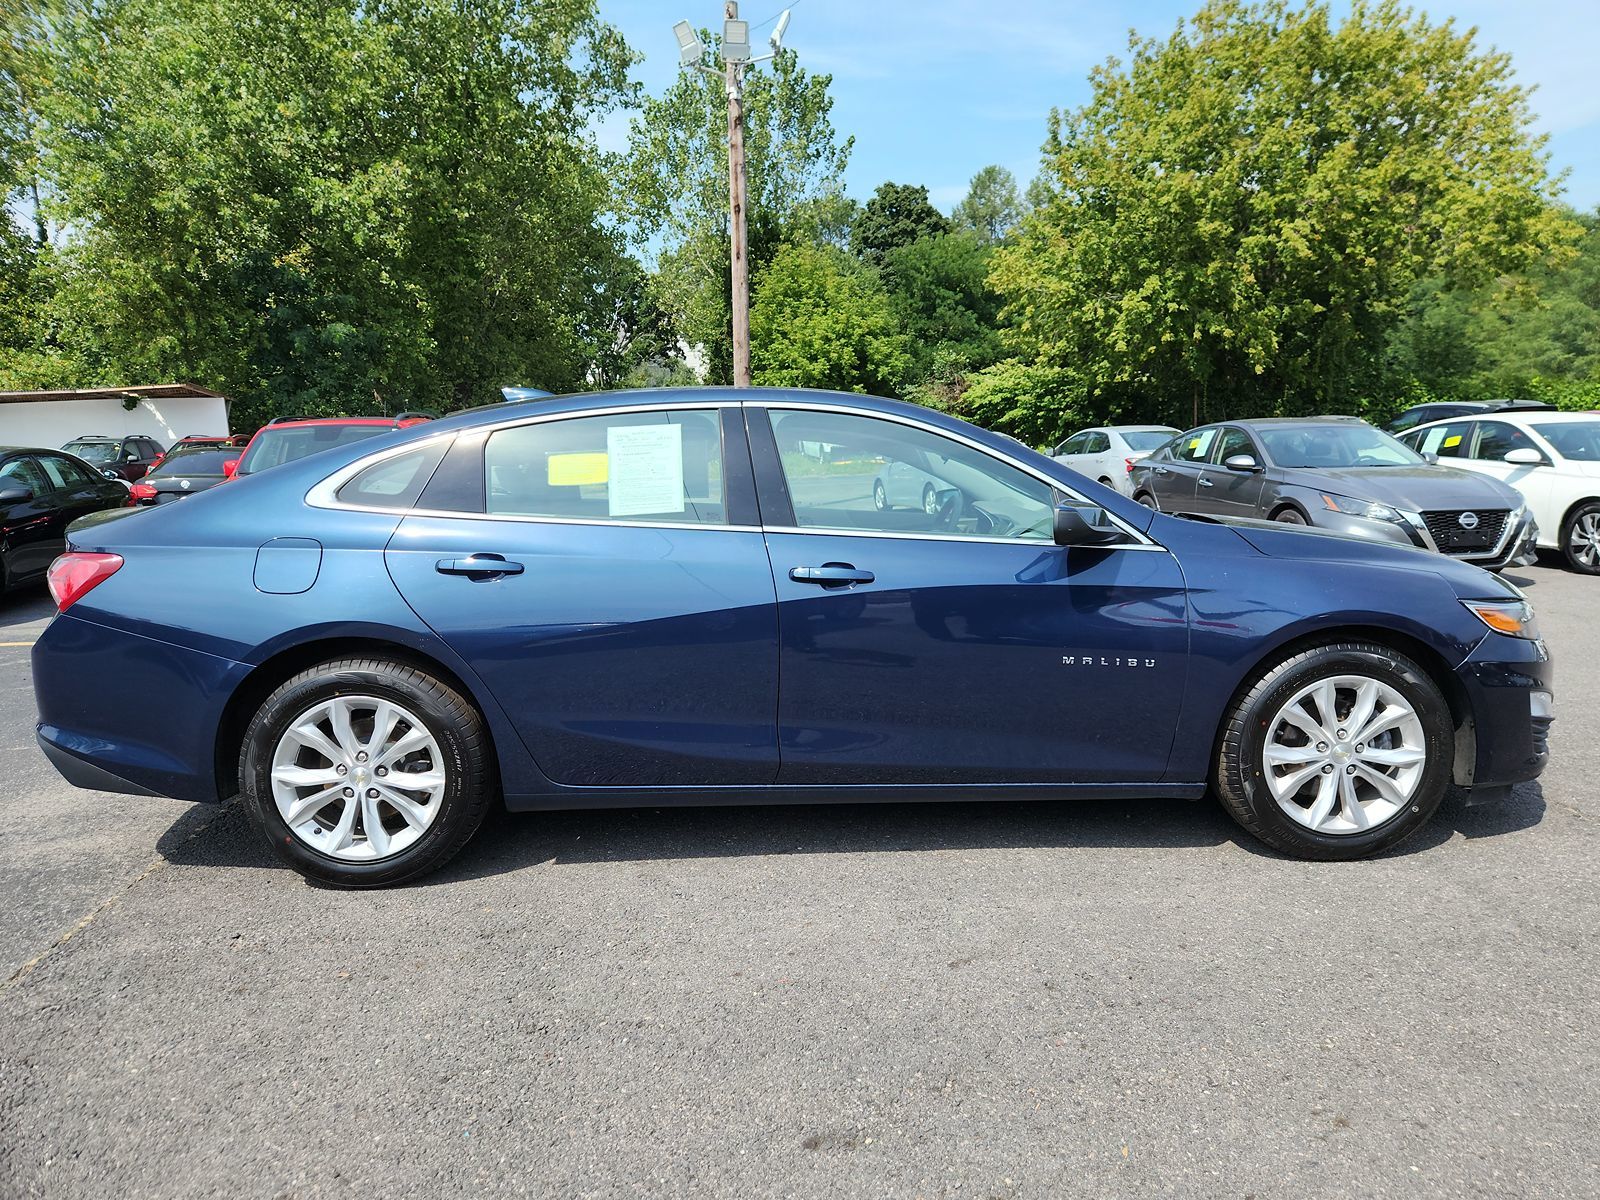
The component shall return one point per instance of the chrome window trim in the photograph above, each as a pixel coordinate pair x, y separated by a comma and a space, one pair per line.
324, 494
1140, 541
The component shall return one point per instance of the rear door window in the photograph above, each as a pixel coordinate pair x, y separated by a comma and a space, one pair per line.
25, 472
1450, 440
1195, 447
64, 473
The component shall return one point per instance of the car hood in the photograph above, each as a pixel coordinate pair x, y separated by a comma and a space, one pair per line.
1301, 542
1419, 489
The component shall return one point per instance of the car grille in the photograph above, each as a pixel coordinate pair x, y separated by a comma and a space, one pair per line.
1452, 537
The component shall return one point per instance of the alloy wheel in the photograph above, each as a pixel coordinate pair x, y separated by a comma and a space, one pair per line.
358, 778
1584, 540
1344, 754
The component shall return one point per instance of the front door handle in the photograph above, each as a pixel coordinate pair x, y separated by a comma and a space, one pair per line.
831, 575
478, 566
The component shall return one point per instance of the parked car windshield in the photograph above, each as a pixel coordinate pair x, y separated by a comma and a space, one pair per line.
193, 462
286, 443
1572, 439
94, 452
1336, 446
1148, 439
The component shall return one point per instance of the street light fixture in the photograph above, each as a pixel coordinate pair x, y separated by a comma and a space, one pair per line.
735, 53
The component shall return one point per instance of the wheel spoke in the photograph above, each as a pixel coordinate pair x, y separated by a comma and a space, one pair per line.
416, 815
339, 718
300, 777
1384, 721
1327, 792
307, 807
1387, 788
414, 739
415, 781
384, 719
1327, 704
372, 824
1305, 723
310, 736
1350, 805
1399, 756
1284, 786
1283, 756
1361, 711
343, 832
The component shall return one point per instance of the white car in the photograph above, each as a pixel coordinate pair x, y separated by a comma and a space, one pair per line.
1107, 453
1552, 458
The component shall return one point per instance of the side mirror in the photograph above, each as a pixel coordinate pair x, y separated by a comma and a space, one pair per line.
1078, 524
13, 493
1241, 462
229, 467
109, 474
1525, 456
131, 456
1430, 457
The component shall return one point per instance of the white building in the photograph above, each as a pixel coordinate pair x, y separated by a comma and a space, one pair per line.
164, 411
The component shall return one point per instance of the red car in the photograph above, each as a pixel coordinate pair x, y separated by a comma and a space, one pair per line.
289, 438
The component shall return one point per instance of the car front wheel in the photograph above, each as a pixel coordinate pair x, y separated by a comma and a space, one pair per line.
1336, 752
1580, 540
366, 772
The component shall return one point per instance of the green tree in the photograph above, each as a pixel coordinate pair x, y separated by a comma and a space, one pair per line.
938, 287
897, 214
992, 206
673, 187
822, 320
336, 206
1235, 221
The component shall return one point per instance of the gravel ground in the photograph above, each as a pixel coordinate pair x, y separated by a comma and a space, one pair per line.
997, 1000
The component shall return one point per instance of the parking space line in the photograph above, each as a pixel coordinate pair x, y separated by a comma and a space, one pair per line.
16, 643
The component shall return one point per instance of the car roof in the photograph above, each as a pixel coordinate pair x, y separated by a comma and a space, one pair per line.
1541, 415
301, 422
1281, 422
104, 437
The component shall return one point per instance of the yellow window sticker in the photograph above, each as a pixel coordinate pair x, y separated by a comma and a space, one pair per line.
571, 470
1452, 441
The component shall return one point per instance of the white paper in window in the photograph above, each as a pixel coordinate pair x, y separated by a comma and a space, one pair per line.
646, 469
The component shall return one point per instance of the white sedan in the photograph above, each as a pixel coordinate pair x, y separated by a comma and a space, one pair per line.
1552, 458
1107, 453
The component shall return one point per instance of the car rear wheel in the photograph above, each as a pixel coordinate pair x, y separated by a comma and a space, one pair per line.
1580, 539
366, 772
1149, 501
930, 500
1336, 752
880, 498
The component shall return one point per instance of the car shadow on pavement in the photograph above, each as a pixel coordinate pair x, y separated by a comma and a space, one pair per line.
509, 842
26, 606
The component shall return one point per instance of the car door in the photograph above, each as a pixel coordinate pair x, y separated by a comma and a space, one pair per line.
1492, 440
1175, 478
31, 530
961, 646
605, 576
78, 491
1222, 491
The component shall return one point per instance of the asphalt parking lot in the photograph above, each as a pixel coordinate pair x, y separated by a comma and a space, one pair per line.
968, 1000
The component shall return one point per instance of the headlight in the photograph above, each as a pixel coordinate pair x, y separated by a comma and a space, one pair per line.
1362, 508
1514, 618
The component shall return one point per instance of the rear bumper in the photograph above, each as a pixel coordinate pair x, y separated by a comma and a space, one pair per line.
1509, 685
80, 772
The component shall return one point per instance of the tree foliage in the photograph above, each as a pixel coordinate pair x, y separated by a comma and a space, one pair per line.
331, 207
992, 206
1236, 220
896, 215
940, 294
822, 320
673, 187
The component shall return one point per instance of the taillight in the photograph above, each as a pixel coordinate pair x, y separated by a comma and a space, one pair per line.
143, 491
1130, 462
73, 576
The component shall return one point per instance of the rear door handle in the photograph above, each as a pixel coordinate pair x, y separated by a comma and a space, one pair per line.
1204, 482
1162, 471
831, 575
478, 566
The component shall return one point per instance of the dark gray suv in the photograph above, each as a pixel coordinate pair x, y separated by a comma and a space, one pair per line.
1339, 474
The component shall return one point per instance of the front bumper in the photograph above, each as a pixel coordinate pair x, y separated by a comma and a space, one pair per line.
1509, 689
1515, 546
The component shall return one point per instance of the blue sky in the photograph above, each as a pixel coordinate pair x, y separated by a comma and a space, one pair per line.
935, 89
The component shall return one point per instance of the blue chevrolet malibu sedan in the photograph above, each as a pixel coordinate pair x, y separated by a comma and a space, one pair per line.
695, 597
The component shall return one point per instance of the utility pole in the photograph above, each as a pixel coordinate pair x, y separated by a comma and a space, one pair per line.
737, 191
735, 57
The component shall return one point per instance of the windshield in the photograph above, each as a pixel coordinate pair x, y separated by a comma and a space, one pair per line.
193, 462
275, 446
94, 452
1336, 446
1572, 439
1148, 439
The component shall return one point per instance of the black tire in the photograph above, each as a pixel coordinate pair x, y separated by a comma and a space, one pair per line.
470, 786
1149, 501
880, 498
1290, 516
1577, 559
930, 500
1239, 780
